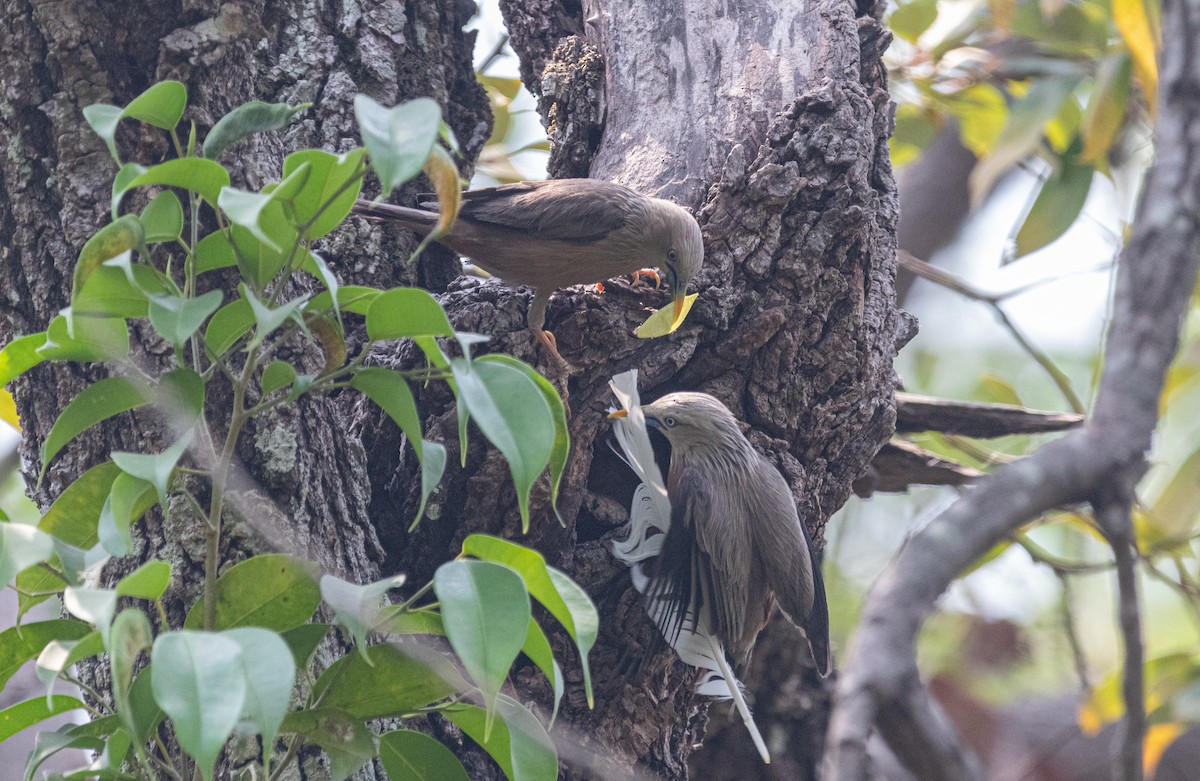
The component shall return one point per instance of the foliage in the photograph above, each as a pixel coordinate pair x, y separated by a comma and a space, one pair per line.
1020, 78
243, 660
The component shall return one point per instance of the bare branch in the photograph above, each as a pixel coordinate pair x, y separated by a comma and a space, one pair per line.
900, 464
974, 419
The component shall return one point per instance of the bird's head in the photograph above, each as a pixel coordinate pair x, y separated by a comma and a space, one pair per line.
694, 423
682, 250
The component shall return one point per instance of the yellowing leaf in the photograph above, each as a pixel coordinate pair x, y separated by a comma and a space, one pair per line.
1158, 737
8, 410
442, 171
1133, 22
981, 112
662, 322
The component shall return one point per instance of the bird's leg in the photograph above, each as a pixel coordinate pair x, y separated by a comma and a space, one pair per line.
537, 318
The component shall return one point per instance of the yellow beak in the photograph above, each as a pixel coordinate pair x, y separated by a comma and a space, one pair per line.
619, 413
679, 298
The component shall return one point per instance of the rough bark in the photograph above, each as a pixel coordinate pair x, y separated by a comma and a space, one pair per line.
769, 120
299, 471
881, 688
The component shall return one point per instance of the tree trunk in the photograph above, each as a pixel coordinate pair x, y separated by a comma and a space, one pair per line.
770, 121
767, 118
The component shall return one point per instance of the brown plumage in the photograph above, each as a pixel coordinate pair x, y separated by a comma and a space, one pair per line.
561, 232
736, 545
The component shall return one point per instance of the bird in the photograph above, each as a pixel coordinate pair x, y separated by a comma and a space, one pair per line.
559, 232
735, 546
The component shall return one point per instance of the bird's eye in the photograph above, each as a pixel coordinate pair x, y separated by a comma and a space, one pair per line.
672, 255
668, 421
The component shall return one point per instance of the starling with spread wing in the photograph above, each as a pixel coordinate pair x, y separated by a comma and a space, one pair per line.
735, 546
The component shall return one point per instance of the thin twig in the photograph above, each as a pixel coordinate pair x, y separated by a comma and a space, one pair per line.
962, 287
1117, 524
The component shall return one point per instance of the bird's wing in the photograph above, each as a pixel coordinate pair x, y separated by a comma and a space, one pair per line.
579, 210
789, 561
701, 570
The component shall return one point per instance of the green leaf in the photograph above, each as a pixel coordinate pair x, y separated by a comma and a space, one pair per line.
389, 390
345, 739
563, 598
146, 713
246, 209
1022, 132
511, 411
73, 516
162, 219
181, 397
59, 655
260, 261
47, 744
562, 433
21, 546
128, 500
103, 119
357, 607
266, 319
331, 189
131, 634
148, 581
161, 105
392, 684
270, 672
314, 264
176, 318
246, 120
273, 591
406, 312
95, 403
97, 606
303, 641
119, 288
398, 139
19, 356
199, 683
227, 326
537, 648
433, 466
413, 756
156, 469
519, 745
104, 339
911, 19
214, 251
119, 236
194, 174
25, 714
350, 298
1057, 206
485, 609
21, 643
120, 186
278, 374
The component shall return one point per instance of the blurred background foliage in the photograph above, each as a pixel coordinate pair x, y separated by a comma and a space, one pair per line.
1052, 100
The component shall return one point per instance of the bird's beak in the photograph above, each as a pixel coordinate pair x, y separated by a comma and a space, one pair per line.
618, 413
679, 296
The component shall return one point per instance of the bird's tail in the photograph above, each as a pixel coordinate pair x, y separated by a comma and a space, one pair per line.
415, 219
817, 627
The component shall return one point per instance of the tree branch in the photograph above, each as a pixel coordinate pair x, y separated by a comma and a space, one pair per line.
1155, 278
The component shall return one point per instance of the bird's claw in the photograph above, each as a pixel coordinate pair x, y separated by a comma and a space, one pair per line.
648, 272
